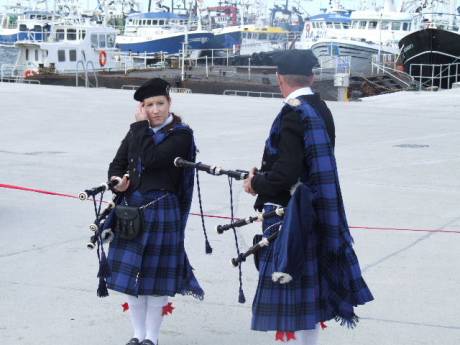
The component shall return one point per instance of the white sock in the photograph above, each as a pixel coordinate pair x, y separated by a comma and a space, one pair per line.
309, 337
154, 318
137, 313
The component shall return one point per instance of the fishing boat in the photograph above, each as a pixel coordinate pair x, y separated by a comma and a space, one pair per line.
431, 54
162, 31
73, 45
371, 33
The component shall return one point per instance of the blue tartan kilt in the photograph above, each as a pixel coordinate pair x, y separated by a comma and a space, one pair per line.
286, 307
155, 262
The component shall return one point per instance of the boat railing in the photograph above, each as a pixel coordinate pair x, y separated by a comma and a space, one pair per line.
401, 76
441, 74
16, 73
252, 93
86, 67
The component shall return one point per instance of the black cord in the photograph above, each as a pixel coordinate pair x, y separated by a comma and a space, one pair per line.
241, 297
208, 248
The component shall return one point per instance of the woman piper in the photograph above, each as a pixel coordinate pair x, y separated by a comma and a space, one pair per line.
147, 261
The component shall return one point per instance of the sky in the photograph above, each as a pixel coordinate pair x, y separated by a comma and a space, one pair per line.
311, 6
308, 7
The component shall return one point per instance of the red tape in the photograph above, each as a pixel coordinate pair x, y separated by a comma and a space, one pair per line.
41, 191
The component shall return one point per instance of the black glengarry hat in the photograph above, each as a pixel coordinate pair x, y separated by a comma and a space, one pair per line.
296, 61
151, 88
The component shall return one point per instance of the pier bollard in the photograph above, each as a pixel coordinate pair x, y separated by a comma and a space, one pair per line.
342, 82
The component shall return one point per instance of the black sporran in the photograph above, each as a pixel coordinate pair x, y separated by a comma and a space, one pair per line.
129, 221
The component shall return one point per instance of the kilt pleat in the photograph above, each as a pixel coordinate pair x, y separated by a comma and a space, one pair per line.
286, 307
155, 262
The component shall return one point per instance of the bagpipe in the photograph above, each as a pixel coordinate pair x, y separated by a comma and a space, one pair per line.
217, 171
100, 234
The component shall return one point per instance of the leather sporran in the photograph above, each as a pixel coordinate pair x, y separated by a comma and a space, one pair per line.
129, 221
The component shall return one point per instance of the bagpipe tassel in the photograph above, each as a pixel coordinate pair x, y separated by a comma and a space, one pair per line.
103, 273
102, 288
208, 247
104, 268
241, 297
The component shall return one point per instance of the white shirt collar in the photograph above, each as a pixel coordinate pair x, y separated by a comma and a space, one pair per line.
167, 122
305, 91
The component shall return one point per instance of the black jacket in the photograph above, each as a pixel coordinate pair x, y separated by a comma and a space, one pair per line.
159, 172
279, 173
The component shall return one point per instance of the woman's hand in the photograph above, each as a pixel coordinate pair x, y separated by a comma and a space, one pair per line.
247, 182
123, 183
141, 114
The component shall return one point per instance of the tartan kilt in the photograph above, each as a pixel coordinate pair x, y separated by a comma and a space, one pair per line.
286, 307
155, 262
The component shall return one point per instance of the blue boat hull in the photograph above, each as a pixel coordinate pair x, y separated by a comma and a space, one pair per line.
225, 40
170, 45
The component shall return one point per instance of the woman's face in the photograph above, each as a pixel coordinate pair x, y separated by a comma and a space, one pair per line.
157, 109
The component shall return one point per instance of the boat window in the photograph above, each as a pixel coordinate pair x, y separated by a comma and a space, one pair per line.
149, 22
22, 27
101, 40
346, 25
396, 26
155, 22
61, 55
373, 25
71, 34
36, 54
362, 24
328, 24
337, 26
82, 34
406, 26
72, 55
44, 54
263, 36
110, 41
162, 22
130, 21
27, 54
37, 28
355, 25
60, 34
384, 25
93, 41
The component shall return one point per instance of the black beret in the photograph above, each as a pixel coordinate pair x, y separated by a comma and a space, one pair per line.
296, 61
151, 88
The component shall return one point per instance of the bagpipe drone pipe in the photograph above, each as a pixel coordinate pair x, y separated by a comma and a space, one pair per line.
211, 169
259, 241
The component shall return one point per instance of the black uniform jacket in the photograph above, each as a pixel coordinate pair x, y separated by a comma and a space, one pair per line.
159, 172
279, 173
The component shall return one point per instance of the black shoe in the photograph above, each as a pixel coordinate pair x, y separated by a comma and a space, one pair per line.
133, 341
146, 342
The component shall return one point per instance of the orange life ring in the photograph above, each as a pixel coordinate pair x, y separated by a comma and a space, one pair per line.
102, 58
29, 73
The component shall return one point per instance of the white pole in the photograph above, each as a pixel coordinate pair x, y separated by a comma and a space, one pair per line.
249, 68
212, 57
183, 62
227, 57
207, 72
